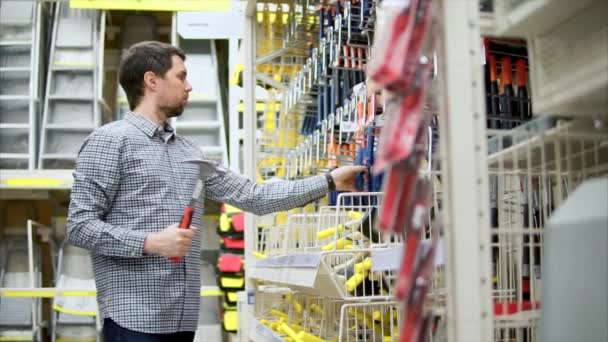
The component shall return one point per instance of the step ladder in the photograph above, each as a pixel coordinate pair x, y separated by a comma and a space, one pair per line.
203, 119
20, 37
19, 317
74, 318
72, 106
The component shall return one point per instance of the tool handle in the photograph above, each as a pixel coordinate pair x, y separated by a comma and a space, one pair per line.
184, 224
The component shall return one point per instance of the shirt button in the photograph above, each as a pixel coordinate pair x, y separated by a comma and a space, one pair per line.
133, 253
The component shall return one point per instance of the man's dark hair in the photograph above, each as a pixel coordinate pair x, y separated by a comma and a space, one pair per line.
140, 58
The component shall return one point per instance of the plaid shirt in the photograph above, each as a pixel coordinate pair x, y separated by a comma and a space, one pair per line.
129, 182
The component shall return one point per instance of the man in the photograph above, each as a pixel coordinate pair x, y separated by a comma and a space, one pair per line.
130, 187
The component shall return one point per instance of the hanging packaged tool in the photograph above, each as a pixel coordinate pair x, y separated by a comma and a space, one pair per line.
235, 244
397, 51
231, 224
230, 263
522, 91
416, 318
399, 133
493, 94
508, 104
415, 225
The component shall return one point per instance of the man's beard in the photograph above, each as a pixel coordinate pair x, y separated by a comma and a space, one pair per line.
173, 111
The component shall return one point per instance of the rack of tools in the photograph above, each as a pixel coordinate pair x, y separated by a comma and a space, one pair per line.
346, 249
509, 145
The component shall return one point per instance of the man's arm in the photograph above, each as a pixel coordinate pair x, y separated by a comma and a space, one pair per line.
261, 199
226, 186
96, 182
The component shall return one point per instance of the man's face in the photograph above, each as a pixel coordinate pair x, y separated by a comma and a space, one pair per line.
173, 89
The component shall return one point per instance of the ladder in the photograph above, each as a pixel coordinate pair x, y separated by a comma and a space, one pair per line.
203, 118
20, 37
73, 91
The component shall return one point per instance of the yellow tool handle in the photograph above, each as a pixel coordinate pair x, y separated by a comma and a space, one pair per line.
286, 329
297, 328
364, 265
355, 280
278, 314
225, 223
354, 215
339, 244
297, 307
259, 255
329, 232
274, 326
316, 308
366, 319
386, 316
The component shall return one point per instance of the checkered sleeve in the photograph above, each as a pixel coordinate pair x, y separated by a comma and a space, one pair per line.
96, 180
262, 199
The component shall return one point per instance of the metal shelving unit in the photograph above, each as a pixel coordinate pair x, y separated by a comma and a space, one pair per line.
548, 158
465, 246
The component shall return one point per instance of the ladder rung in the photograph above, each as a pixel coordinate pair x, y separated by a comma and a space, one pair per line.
69, 127
14, 69
80, 68
14, 156
70, 98
15, 97
15, 42
59, 156
202, 100
204, 125
14, 126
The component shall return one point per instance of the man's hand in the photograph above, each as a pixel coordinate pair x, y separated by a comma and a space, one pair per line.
345, 177
170, 242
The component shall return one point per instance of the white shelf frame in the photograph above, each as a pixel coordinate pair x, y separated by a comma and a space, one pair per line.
249, 154
465, 177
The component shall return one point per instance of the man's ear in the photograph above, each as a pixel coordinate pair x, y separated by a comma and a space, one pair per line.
150, 80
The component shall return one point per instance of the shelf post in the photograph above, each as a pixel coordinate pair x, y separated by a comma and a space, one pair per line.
465, 175
249, 149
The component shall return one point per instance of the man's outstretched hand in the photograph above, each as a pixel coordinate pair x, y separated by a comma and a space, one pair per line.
345, 177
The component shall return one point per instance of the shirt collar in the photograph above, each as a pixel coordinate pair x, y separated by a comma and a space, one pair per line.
146, 125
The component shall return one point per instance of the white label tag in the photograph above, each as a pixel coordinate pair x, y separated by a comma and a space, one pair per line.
348, 126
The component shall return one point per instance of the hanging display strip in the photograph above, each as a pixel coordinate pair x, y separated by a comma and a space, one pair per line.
339, 107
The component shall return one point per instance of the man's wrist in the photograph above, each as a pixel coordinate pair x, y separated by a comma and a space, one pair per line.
331, 184
150, 244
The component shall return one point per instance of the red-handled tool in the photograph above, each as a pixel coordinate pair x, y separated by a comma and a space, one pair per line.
186, 220
205, 168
